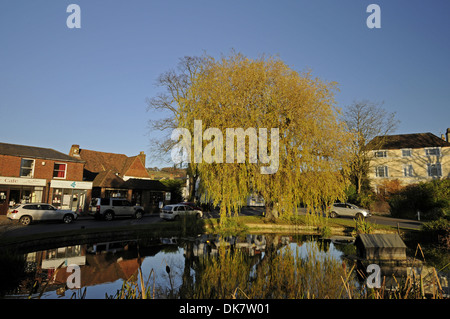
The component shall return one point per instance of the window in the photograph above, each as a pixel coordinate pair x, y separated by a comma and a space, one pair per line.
381, 171
26, 167
433, 151
408, 170
117, 202
59, 170
380, 154
406, 152
180, 208
47, 207
30, 207
434, 170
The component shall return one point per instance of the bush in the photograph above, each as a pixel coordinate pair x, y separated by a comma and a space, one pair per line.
431, 199
437, 231
364, 199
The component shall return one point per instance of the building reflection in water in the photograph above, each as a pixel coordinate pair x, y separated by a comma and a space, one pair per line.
117, 261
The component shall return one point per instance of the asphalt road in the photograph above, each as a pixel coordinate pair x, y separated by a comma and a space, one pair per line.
10, 228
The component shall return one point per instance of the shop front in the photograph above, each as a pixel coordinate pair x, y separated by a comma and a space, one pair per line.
20, 190
69, 194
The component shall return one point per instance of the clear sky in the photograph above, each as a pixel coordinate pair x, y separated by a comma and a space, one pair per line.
87, 86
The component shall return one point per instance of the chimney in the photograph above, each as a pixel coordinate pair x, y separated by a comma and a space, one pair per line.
443, 137
75, 151
142, 157
448, 134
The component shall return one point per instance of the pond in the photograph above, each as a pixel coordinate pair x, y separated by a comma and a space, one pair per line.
208, 266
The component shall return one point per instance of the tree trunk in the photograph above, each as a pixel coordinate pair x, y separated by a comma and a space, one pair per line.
358, 183
271, 211
192, 181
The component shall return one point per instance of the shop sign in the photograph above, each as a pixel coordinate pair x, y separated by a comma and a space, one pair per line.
22, 181
70, 184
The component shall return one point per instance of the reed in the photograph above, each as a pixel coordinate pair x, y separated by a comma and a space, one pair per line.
285, 274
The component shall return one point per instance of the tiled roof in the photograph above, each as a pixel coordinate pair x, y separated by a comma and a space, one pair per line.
135, 183
418, 140
35, 152
101, 161
108, 179
116, 163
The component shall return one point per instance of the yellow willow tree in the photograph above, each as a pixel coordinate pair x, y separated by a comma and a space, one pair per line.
302, 155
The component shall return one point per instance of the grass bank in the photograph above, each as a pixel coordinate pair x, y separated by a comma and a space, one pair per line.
299, 224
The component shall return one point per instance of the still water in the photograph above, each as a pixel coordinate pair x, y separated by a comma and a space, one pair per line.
164, 263
171, 267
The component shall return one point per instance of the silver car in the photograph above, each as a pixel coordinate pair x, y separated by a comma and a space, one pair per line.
27, 213
346, 209
174, 212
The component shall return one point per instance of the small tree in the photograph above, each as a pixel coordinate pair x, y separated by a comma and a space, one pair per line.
174, 186
366, 120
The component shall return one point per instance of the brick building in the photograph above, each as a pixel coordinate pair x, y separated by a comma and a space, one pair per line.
119, 175
36, 174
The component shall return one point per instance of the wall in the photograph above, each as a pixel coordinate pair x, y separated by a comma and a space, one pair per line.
43, 168
395, 162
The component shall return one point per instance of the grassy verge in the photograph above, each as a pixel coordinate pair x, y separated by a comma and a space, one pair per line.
297, 224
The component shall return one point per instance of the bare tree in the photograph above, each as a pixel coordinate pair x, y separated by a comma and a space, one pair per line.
175, 85
367, 120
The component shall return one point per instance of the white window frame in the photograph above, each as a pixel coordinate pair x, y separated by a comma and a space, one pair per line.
427, 149
408, 170
406, 150
32, 167
436, 166
376, 153
385, 171
65, 170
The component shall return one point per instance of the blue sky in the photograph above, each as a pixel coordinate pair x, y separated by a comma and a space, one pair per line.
61, 86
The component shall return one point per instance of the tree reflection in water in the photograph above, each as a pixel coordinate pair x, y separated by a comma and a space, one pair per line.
208, 266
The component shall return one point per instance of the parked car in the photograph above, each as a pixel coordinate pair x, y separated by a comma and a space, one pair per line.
347, 209
28, 213
174, 212
109, 208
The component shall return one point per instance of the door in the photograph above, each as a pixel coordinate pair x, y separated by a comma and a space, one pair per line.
4, 204
180, 210
189, 210
338, 208
121, 207
349, 210
48, 212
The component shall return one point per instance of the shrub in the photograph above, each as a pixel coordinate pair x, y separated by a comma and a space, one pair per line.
437, 231
431, 199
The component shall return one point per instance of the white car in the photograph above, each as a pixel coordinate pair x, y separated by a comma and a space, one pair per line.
346, 209
27, 213
175, 211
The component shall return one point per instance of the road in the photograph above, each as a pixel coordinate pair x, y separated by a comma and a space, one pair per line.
13, 229
9, 228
